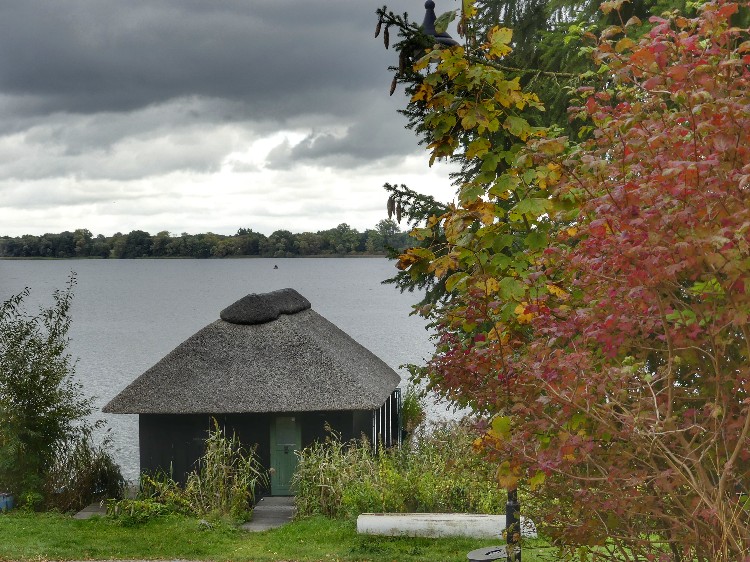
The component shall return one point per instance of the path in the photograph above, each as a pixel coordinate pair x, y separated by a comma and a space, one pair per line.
270, 512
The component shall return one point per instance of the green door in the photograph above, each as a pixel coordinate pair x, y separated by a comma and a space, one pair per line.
286, 438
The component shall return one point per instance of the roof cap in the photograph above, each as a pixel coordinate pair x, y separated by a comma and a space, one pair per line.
265, 307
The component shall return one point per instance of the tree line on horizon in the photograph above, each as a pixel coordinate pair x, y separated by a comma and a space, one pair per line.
81, 243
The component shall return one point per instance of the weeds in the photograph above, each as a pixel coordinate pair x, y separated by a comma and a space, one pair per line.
223, 485
226, 477
81, 473
436, 471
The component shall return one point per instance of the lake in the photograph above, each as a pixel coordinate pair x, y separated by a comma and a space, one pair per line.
128, 314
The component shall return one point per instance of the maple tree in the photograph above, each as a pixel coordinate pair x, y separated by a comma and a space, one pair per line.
596, 299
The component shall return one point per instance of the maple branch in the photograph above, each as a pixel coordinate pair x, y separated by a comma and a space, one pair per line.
484, 62
670, 355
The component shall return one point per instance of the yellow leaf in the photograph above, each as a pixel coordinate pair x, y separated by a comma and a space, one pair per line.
508, 476
412, 256
443, 265
484, 211
478, 147
610, 5
557, 291
501, 425
499, 41
468, 8
497, 333
489, 285
537, 480
424, 92
522, 316
624, 44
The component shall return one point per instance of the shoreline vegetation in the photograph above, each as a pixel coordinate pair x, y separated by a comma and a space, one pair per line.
342, 241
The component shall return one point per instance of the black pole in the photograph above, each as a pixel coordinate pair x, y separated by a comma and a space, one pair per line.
513, 527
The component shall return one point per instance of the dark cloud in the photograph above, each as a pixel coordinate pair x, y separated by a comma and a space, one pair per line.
159, 114
377, 133
280, 58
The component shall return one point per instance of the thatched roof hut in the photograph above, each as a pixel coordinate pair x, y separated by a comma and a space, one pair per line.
268, 354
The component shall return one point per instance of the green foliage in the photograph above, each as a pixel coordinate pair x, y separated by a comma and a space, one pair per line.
436, 472
47, 457
412, 409
341, 240
133, 512
81, 473
222, 485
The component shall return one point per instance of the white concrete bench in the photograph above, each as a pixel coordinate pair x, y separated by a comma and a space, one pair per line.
438, 525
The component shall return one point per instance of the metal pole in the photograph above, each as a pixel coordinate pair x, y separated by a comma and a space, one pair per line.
513, 527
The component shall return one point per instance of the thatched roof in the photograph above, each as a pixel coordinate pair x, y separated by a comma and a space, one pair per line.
267, 353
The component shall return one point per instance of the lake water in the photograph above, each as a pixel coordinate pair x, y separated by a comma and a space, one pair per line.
128, 314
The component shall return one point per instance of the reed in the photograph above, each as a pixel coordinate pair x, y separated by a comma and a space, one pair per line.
222, 485
437, 471
226, 477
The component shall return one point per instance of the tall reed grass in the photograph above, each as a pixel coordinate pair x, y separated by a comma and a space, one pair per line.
223, 484
226, 477
437, 471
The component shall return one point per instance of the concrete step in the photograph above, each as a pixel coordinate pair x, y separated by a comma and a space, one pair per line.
271, 512
98, 508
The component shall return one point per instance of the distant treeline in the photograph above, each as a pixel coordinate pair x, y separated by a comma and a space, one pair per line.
342, 240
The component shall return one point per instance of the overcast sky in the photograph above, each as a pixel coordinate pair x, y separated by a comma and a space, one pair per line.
201, 115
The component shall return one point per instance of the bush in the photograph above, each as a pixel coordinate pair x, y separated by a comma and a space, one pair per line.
412, 409
47, 457
82, 472
437, 472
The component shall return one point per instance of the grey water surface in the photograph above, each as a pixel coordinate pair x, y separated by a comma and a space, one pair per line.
128, 314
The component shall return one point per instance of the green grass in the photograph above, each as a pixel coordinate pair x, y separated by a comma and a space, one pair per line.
25, 536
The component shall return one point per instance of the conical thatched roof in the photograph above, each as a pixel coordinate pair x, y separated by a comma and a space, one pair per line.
267, 353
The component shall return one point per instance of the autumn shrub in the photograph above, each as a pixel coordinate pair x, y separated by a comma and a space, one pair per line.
596, 289
436, 472
640, 373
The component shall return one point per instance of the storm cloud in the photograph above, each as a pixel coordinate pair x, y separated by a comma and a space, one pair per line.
162, 98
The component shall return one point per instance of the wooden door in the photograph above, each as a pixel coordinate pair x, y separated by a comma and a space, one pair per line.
286, 438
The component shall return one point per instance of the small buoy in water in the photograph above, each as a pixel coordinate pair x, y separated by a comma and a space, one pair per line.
276, 267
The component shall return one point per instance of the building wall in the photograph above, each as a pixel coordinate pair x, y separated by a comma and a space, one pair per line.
172, 443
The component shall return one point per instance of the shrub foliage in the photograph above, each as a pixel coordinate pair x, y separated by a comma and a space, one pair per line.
47, 456
597, 289
434, 472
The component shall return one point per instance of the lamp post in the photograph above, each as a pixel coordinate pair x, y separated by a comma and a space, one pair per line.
513, 526
428, 26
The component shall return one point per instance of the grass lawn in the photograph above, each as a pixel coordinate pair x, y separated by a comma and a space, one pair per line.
39, 537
